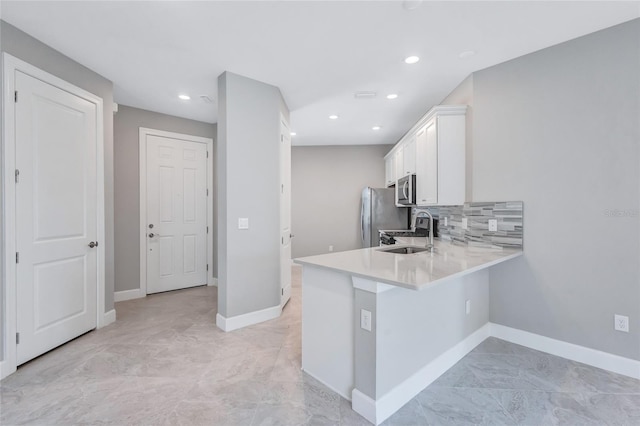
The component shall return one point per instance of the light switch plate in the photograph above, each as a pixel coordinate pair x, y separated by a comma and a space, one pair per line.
365, 319
243, 223
493, 225
464, 223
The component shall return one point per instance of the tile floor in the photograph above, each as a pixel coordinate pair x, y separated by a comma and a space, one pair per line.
165, 363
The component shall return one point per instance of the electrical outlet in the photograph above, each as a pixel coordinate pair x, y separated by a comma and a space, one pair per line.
330, 248
243, 223
465, 223
621, 323
365, 319
493, 225
446, 221
467, 307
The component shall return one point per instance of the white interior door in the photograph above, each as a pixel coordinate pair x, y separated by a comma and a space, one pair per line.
176, 214
285, 213
56, 216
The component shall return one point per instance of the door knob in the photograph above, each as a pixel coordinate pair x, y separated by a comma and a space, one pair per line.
93, 244
151, 235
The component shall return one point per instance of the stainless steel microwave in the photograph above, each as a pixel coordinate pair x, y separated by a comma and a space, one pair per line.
406, 191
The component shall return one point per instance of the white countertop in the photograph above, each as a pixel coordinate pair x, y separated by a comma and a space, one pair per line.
412, 271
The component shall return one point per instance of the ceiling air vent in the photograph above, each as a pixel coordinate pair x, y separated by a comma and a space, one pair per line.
206, 99
364, 95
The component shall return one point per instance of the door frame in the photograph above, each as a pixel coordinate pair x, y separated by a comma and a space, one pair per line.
142, 159
11, 64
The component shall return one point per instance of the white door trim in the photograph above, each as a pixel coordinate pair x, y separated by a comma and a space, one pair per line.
10, 65
142, 158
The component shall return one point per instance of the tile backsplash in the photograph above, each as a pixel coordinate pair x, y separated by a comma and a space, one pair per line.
509, 217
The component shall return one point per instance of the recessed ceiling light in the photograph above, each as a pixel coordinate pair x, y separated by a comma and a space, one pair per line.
392, 95
466, 54
412, 59
333, 117
184, 97
293, 133
376, 127
364, 95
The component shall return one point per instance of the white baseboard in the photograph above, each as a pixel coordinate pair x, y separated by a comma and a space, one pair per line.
121, 296
244, 320
593, 357
213, 282
377, 411
365, 406
6, 369
109, 318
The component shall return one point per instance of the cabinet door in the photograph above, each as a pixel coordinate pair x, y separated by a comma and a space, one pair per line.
390, 170
427, 165
409, 156
399, 160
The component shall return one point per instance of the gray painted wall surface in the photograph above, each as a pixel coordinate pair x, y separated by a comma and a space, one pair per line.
559, 129
126, 125
326, 185
248, 187
27, 48
411, 328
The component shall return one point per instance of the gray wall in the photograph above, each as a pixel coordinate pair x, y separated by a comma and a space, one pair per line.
126, 126
326, 183
248, 170
559, 130
27, 48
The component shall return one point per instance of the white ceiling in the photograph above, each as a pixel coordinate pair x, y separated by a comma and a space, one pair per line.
317, 52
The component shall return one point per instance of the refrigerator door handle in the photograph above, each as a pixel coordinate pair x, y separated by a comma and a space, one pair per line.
362, 221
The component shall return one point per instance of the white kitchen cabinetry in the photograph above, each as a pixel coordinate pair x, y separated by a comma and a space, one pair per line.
440, 170
399, 162
427, 173
390, 170
409, 156
434, 149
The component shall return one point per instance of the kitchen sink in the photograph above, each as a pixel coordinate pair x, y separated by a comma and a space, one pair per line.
404, 250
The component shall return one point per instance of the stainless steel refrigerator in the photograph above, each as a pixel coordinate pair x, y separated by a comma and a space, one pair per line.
379, 211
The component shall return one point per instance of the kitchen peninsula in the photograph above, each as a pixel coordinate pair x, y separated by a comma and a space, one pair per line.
378, 327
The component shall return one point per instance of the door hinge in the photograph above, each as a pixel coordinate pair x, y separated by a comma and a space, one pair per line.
207, 154
282, 291
207, 266
17, 257
15, 96
281, 138
17, 175
207, 192
17, 338
207, 229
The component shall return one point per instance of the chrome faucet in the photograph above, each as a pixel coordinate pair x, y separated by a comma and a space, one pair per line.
429, 244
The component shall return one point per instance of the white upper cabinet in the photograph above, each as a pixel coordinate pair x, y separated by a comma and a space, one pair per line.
409, 156
399, 160
427, 167
390, 170
434, 150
